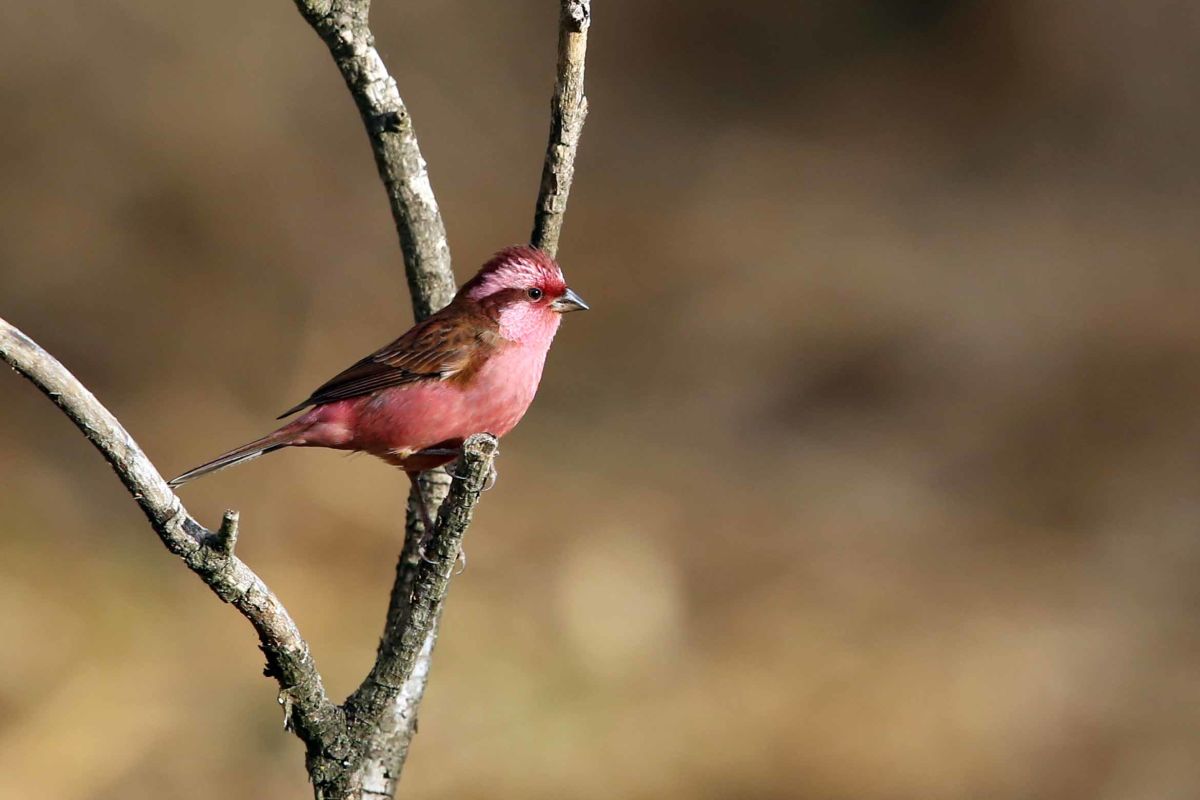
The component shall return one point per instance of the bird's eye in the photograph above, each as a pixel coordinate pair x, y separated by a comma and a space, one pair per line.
534, 294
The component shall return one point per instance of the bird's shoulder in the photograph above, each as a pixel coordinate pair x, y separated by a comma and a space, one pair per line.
450, 345
444, 344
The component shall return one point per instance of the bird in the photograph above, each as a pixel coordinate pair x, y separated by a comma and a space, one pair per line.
472, 367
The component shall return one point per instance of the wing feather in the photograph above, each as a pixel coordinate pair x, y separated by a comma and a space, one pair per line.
452, 342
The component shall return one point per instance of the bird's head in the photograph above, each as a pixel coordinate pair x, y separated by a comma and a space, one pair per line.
523, 289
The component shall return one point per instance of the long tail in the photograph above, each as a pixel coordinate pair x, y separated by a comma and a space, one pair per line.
284, 437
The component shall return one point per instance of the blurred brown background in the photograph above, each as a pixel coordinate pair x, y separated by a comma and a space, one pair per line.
872, 474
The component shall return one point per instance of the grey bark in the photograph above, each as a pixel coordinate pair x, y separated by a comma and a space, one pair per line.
358, 749
343, 27
568, 110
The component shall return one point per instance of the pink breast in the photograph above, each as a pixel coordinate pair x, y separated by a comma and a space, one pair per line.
406, 419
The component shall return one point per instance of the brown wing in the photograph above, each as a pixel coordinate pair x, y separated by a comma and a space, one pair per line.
449, 344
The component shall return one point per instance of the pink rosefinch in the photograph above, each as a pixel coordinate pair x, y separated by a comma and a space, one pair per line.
472, 367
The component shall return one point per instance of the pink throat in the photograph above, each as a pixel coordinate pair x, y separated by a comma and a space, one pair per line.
529, 325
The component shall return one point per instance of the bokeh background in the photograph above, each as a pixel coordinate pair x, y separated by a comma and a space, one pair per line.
872, 474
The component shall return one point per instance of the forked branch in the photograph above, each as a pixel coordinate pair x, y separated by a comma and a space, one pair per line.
385, 706
357, 749
335, 737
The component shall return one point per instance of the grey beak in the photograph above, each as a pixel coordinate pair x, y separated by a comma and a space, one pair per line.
569, 302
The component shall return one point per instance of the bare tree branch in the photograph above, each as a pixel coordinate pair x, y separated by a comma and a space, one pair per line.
568, 110
343, 26
379, 714
397, 724
317, 721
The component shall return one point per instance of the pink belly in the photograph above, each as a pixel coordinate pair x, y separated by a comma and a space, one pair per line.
397, 423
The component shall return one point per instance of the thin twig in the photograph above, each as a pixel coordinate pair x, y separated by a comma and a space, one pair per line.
228, 532
568, 110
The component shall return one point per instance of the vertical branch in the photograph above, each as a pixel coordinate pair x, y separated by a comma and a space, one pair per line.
343, 27
385, 712
381, 716
568, 110
388, 749
398, 652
